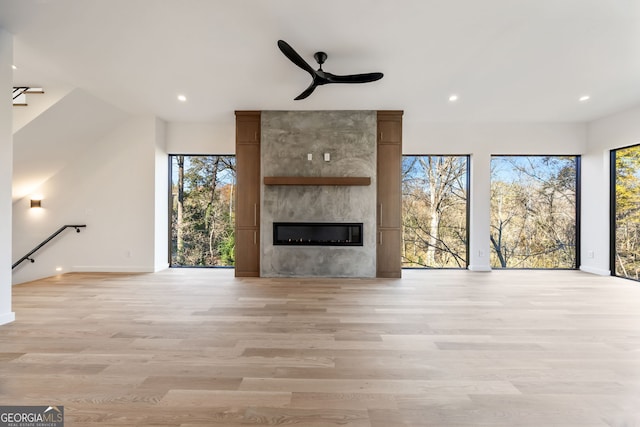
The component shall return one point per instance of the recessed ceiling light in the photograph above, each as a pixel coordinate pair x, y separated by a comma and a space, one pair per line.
182, 98
584, 98
14, 67
453, 98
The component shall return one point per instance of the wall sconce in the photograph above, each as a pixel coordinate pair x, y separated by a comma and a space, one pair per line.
36, 203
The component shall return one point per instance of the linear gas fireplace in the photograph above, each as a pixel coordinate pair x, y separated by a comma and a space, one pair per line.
317, 233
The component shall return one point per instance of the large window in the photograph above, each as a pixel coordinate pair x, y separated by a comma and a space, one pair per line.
434, 211
625, 212
202, 210
534, 221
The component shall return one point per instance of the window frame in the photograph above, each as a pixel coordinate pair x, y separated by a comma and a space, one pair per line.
578, 190
170, 198
467, 183
613, 210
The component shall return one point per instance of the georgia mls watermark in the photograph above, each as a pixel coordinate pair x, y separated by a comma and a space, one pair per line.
31, 416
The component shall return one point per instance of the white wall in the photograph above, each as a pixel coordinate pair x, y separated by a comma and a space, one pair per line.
37, 104
616, 131
161, 214
113, 188
50, 141
202, 138
493, 138
6, 156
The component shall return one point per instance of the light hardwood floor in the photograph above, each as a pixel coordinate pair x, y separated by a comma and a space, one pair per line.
189, 347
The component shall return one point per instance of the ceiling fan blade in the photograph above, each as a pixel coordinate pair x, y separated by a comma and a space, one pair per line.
354, 78
306, 92
294, 57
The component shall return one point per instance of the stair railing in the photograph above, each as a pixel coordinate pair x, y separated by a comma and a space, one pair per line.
44, 242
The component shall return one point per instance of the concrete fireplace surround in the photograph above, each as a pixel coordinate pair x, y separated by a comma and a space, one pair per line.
287, 139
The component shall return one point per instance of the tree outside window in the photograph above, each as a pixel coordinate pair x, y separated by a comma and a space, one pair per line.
434, 211
534, 211
626, 219
202, 211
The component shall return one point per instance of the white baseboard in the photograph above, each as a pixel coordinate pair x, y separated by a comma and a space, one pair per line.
479, 268
593, 270
111, 269
7, 318
160, 267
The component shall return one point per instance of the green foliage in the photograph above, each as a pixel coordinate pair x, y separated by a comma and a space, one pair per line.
227, 250
203, 218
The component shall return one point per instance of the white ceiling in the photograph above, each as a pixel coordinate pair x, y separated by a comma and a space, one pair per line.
508, 60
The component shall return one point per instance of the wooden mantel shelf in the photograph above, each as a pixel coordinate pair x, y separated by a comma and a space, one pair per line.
317, 180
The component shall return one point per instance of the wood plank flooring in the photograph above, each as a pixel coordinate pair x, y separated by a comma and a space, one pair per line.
190, 347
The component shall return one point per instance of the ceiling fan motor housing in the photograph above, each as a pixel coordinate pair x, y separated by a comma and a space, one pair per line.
320, 57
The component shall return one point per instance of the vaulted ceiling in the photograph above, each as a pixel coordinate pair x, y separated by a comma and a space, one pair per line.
507, 60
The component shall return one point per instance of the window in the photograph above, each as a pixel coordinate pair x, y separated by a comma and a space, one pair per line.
434, 211
202, 211
534, 220
625, 212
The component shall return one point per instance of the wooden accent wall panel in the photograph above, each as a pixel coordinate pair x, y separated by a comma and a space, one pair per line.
389, 195
247, 255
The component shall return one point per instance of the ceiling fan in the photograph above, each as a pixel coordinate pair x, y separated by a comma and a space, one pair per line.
321, 77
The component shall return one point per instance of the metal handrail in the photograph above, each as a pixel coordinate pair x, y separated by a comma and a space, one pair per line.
44, 242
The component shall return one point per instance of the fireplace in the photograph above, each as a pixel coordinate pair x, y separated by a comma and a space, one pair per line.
286, 140
317, 233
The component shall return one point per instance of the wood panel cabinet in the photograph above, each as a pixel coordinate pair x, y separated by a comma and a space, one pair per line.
389, 195
247, 252
247, 255
248, 185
